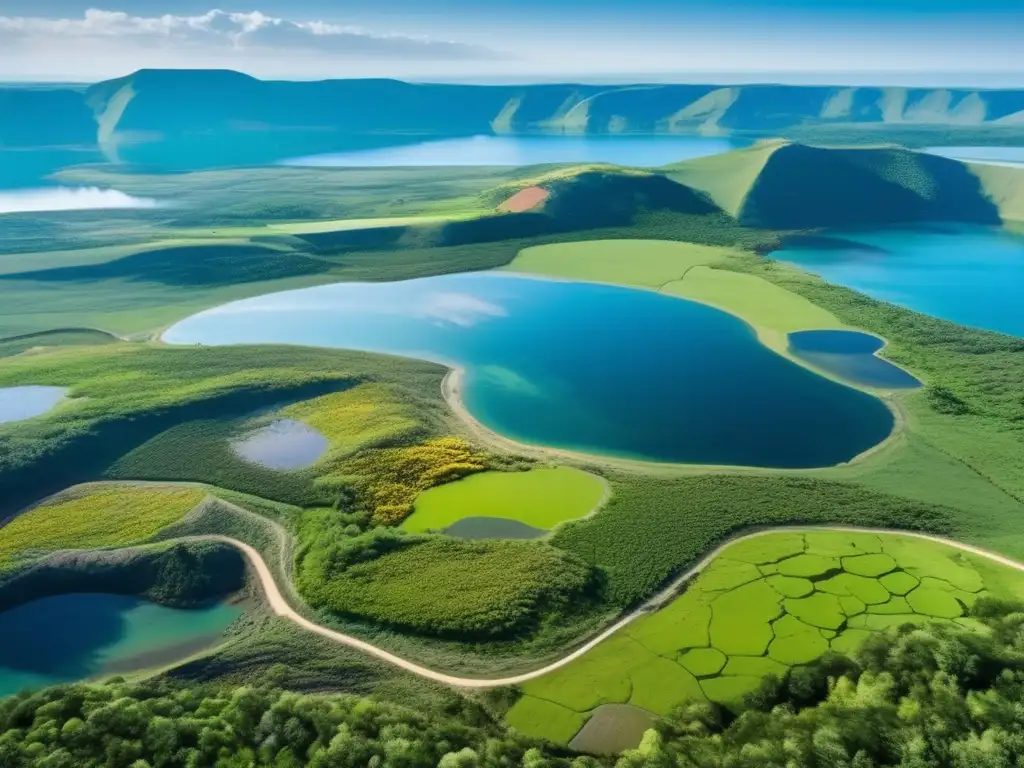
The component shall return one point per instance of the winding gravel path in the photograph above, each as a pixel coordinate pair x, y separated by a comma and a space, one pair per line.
281, 607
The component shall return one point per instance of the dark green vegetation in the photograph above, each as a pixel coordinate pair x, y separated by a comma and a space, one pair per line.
446, 587
62, 337
163, 724
177, 575
652, 528
208, 118
186, 266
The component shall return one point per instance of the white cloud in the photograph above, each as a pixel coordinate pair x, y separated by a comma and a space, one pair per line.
69, 199
220, 31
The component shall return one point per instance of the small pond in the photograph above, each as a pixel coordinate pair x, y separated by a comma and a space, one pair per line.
20, 403
613, 728
970, 275
493, 528
284, 444
850, 355
531, 150
582, 366
73, 637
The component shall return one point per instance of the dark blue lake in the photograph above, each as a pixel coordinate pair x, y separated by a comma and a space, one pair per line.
851, 356
531, 150
588, 367
71, 637
970, 275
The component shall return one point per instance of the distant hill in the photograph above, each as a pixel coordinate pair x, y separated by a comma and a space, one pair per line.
779, 185
206, 118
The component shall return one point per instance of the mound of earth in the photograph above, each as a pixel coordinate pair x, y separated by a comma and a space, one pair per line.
793, 186
525, 200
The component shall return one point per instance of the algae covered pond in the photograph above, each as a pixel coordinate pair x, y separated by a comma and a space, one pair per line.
72, 637
587, 367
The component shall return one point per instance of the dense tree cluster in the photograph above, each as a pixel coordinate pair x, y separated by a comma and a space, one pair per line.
941, 695
158, 725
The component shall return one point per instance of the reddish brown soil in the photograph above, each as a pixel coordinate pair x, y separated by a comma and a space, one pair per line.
525, 200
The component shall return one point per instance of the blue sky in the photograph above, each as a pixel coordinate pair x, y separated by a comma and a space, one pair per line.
927, 41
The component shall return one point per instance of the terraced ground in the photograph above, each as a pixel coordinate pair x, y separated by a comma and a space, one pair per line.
765, 605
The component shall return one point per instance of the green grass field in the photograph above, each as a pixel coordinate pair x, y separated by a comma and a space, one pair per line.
645, 263
764, 605
96, 517
541, 498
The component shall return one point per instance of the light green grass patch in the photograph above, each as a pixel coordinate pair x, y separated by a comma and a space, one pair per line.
842, 544
765, 550
753, 666
864, 589
869, 565
703, 661
729, 691
740, 620
896, 604
645, 263
726, 574
660, 684
851, 605
819, 610
790, 586
681, 624
798, 646
934, 602
542, 498
593, 679
544, 719
849, 640
808, 566
759, 302
898, 582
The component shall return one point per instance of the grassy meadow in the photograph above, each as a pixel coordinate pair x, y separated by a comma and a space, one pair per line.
762, 606
97, 517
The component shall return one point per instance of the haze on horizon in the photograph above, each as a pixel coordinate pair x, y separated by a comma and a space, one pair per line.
914, 42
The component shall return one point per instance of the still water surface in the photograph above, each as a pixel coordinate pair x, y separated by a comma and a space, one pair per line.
970, 275
72, 637
20, 403
594, 368
851, 355
532, 150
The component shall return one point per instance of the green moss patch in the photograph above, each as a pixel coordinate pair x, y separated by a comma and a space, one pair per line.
898, 582
809, 566
934, 602
820, 610
869, 565
748, 616
703, 661
769, 549
790, 586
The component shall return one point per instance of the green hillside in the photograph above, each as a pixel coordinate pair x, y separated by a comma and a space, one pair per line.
216, 118
779, 185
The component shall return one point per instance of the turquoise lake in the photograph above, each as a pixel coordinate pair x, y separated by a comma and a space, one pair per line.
531, 150
970, 275
72, 637
588, 367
